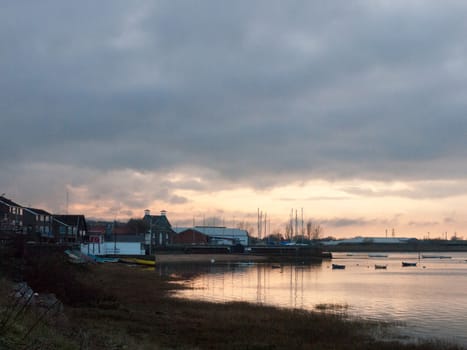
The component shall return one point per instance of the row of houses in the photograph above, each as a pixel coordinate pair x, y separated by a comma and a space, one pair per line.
111, 237
39, 224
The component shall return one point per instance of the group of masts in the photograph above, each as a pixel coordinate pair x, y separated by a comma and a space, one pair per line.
295, 226
264, 224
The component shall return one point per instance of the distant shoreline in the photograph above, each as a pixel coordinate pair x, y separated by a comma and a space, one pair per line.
412, 248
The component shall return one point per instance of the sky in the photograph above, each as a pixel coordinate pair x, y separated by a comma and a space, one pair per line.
352, 112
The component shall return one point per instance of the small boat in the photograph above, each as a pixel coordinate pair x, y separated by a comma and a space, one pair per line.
137, 261
338, 267
76, 257
435, 257
276, 266
375, 255
380, 267
406, 264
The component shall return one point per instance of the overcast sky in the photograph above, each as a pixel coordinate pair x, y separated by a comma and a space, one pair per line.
355, 111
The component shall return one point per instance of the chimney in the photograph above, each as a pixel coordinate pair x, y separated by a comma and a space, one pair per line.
163, 212
147, 212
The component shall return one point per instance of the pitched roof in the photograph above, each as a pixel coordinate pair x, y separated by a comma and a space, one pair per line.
215, 231
122, 230
8, 202
71, 220
37, 211
159, 222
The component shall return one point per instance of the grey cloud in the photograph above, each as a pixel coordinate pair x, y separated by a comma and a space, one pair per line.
417, 190
345, 222
342, 222
427, 223
257, 93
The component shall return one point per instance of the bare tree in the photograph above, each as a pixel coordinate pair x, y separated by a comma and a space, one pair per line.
309, 228
317, 231
288, 230
313, 230
247, 226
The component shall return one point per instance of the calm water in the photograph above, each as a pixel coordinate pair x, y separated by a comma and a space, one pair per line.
430, 299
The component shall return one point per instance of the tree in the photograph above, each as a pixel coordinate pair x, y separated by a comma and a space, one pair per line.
138, 226
288, 230
247, 226
316, 231
273, 238
309, 228
313, 230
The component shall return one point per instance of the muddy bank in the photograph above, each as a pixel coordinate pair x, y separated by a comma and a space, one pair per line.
207, 258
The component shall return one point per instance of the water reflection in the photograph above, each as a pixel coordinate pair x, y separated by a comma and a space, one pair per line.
430, 298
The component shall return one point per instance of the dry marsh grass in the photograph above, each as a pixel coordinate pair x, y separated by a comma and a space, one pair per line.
131, 308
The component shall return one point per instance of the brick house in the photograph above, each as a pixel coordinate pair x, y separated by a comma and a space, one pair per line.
69, 228
160, 230
190, 236
11, 215
38, 222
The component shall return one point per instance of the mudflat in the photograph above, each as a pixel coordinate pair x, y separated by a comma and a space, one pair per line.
201, 258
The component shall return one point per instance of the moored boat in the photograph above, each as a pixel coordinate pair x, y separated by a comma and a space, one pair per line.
377, 266
76, 257
406, 264
338, 267
435, 257
137, 261
376, 255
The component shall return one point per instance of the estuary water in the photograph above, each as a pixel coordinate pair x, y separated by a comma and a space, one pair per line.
425, 301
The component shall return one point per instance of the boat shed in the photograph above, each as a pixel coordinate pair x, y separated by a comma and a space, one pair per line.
216, 234
121, 245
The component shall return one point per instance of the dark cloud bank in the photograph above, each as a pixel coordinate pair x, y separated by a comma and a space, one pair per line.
252, 93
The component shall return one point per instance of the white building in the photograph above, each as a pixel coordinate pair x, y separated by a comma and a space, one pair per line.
126, 245
369, 240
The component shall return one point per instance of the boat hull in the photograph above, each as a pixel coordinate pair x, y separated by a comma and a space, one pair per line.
338, 267
137, 261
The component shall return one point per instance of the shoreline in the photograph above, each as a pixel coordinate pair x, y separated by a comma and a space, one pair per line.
131, 307
207, 258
